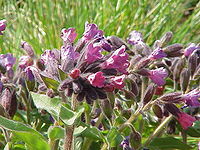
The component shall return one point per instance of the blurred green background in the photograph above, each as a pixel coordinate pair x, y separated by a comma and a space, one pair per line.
39, 22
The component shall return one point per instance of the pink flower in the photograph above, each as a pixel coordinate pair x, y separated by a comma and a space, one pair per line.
192, 47
191, 98
2, 26
158, 76
93, 53
115, 83
135, 37
157, 54
118, 60
25, 61
185, 120
68, 35
28, 48
97, 79
92, 31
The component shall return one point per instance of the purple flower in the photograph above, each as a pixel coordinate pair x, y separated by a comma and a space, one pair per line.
135, 37
185, 120
118, 60
49, 55
68, 35
96, 79
103, 43
158, 75
32, 73
1, 86
93, 53
157, 54
68, 57
115, 83
25, 61
2, 26
92, 31
191, 98
7, 60
192, 47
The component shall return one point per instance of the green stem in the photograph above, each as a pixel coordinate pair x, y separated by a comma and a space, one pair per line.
184, 136
159, 129
87, 142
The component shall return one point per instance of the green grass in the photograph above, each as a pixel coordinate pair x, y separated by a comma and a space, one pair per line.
39, 21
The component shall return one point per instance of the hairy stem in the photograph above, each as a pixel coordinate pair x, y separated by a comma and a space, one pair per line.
69, 130
159, 129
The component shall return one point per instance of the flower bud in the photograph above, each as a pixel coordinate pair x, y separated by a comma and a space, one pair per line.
148, 95
171, 97
116, 42
129, 95
166, 39
184, 79
158, 111
135, 59
8, 100
106, 108
142, 63
178, 68
192, 63
174, 50
50, 93
28, 48
134, 88
135, 140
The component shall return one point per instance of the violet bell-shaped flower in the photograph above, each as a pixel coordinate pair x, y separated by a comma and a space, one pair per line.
135, 37
91, 32
158, 76
185, 120
191, 98
157, 54
192, 47
2, 26
118, 60
68, 35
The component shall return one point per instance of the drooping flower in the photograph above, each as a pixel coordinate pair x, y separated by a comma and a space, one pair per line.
2, 26
158, 76
191, 98
192, 47
93, 53
96, 79
68, 35
157, 54
118, 60
25, 61
185, 120
92, 31
135, 37
115, 83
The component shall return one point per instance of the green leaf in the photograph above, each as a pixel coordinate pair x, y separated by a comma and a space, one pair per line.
52, 105
50, 83
31, 137
68, 116
114, 138
56, 132
78, 143
194, 131
79, 130
62, 74
168, 143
